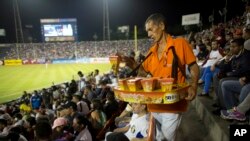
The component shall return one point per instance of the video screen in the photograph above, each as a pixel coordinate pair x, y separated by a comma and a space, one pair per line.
56, 30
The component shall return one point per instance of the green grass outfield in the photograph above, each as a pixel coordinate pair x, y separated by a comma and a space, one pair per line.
15, 79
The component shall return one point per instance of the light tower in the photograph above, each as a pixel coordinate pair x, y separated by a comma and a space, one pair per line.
18, 23
106, 31
18, 26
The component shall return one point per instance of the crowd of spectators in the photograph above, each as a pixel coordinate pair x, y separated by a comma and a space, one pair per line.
72, 50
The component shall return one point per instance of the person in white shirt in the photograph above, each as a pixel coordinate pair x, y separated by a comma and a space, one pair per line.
137, 129
209, 68
82, 107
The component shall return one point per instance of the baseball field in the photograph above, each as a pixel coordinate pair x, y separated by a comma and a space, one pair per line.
16, 79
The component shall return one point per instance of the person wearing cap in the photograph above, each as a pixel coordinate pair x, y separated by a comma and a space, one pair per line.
58, 129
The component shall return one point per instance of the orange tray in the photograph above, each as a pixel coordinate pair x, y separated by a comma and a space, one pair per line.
178, 92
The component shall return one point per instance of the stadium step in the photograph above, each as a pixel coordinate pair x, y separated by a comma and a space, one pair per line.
217, 128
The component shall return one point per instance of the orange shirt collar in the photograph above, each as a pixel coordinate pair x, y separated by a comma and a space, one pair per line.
170, 42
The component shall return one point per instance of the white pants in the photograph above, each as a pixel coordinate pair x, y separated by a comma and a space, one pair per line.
167, 125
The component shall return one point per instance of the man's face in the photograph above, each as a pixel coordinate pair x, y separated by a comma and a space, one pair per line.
215, 45
245, 34
234, 48
76, 126
137, 108
154, 31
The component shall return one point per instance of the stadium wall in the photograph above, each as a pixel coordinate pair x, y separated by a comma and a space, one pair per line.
54, 61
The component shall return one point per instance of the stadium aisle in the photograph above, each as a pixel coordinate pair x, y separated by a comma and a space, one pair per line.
192, 128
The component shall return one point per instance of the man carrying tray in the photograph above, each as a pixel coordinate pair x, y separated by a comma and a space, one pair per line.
168, 58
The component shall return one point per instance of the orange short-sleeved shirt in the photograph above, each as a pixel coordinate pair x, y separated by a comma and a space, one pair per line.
163, 68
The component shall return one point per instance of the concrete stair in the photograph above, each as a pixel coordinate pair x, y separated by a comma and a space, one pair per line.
217, 128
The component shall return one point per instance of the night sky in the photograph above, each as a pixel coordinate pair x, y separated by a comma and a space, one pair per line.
121, 12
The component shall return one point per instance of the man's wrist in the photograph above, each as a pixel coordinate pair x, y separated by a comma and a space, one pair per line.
194, 85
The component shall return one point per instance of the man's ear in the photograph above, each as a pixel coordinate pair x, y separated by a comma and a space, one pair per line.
162, 26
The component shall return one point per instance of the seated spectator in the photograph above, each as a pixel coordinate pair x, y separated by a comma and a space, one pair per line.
43, 131
239, 87
18, 121
41, 114
25, 107
203, 52
234, 69
117, 136
59, 132
70, 111
82, 106
138, 126
3, 127
111, 106
124, 118
209, 68
104, 89
29, 126
82, 129
89, 94
246, 36
238, 112
97, 116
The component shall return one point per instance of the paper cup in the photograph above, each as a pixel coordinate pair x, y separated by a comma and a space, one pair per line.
166, 84
148, 84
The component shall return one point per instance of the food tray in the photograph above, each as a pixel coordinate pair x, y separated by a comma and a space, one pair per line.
178, 92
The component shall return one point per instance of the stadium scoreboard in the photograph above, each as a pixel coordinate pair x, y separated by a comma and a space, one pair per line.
59, 30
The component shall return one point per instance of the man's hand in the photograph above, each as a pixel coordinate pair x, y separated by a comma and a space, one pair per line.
130, 62
191, 93
212, 68
194, 71
242, 81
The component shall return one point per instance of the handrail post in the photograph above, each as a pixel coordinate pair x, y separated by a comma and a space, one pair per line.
151, 130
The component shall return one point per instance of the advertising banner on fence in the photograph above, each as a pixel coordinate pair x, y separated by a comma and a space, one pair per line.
99, 60
12, 62
34, 61
81, 60
1, 62
70, 61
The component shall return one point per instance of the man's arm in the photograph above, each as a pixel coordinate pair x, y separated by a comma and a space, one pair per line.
195, 72
139, 139
142, 72
122, 129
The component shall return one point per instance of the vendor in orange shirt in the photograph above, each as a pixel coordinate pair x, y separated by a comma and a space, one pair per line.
168, 58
